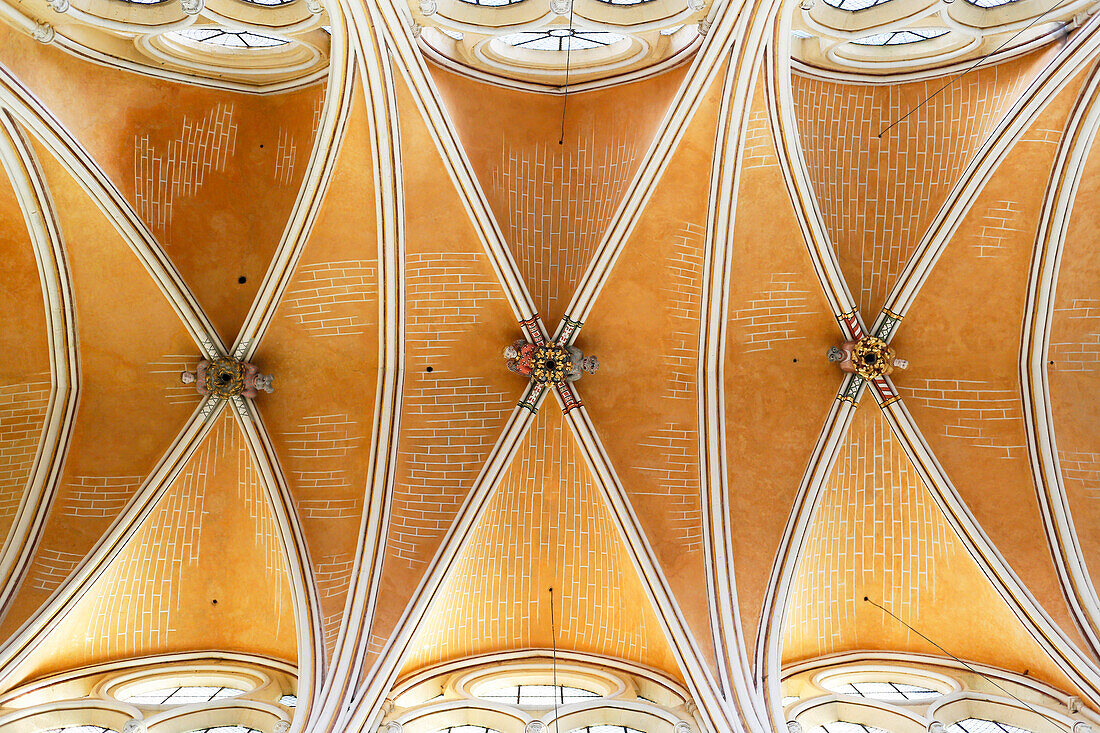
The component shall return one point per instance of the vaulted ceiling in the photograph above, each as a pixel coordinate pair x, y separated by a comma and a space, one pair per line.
724, 501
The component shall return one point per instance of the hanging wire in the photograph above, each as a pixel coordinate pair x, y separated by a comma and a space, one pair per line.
986, 677
554, 642
973, 66
565, 96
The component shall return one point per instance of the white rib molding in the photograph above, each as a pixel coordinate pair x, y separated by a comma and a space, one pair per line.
30, 113
19, 161
1054, 503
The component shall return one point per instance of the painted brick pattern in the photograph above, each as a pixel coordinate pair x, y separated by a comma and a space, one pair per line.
286, 151
672, 462
139, 592
451, 422
683, 289
97, 497
877, 193
169, 368
333, 576
318, 111
1044, 135
675, 478
557, 204
772, 316
316, 453
52, 567
323, 437
337, 298
999, 222
22, 415
877, 532
983, 414
137, 598
316, 448
161, 177
545, 526
759, 151
329, 508
1075, 344
1081, 471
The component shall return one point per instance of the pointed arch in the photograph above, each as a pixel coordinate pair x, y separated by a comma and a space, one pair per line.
1081, 670
793, 164
80, 164
18, 160
1073, 151
22, 643
1082, 49
307, 206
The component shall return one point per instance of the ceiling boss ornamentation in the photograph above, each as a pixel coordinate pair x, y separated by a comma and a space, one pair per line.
226, 377
869, 357
549, 363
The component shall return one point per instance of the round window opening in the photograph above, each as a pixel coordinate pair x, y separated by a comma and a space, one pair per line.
843, 726
561, 39
226, 38
537, 695
901, 38
181, 695
886, 691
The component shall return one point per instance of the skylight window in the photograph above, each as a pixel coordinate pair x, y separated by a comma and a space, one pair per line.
80, 729
289, 701
625, 2
561, 39
268, 3
227, 38
990, 3
854, 5
538, 695
843, 726
467, 729
182, 695
605, 729
492, 3
886, 691
902, 37
226, 729
981, 725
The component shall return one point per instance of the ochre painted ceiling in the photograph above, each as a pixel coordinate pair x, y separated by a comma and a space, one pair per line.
725, 497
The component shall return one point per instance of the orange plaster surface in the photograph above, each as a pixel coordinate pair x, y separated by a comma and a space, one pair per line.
322, 347
878, 533
546, 526
554, 201
1073, 364
457, 322
212, 173
962, 337
878, 193
644, 327
176, 586
25, 370
131, 402
778, 385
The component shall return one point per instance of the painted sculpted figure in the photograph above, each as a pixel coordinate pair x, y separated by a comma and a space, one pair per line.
549, 362
868, 357
580, 364
520, 356
225, 377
